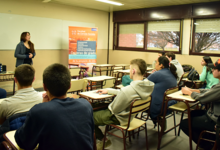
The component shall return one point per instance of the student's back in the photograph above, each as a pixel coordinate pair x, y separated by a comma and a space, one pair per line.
163, 80
58, 124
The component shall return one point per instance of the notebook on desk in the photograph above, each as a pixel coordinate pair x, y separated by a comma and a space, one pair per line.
10, 138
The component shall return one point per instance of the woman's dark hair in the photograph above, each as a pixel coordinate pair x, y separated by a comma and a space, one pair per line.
165, 62
207, 60
162, 53
23, 38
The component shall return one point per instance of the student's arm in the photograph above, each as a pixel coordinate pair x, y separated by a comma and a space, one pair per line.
203, 74
34, 54
18, 53
27, 135
120, 103
210, 95
113, 92
3, 109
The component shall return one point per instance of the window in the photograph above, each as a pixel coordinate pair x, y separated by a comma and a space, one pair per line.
163, 35
206, 37
148, 36
131, 35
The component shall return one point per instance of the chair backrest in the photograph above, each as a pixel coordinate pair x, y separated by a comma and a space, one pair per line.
74, 72
165, 98
181, 79
109, 83
78, 85
137, 106
140, 105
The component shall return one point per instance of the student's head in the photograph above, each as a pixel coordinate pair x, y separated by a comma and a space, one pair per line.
24, 75
206, 60
56, 79
137, 67
163, 62
161, 54
215, 68
171, 56
25, 36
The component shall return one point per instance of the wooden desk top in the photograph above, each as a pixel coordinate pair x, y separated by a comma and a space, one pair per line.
179, 95
101, 78
7, 73
9, 137
95, 96
121, 65
123, 71
149, 68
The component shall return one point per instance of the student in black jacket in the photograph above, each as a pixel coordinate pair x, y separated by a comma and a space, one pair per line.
60, 123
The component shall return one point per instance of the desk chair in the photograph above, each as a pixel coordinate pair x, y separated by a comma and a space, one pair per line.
75, 72
78, 86
137, 106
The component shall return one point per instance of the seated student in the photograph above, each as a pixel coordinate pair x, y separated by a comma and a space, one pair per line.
3, 93
154, 62
118, 111
202, 119
25, 98
164, 78
179, 69
60, 123
206, 74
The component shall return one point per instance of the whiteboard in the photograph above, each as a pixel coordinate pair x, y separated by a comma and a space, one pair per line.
46, 33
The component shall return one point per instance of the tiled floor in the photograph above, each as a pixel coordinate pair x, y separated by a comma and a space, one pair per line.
169, 141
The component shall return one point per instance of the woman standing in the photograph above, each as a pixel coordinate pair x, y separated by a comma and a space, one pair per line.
24, 51
206, 74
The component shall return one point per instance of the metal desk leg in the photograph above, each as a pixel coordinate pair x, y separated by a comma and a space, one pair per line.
189, 125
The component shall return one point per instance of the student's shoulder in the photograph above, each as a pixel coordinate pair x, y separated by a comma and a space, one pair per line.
81, 101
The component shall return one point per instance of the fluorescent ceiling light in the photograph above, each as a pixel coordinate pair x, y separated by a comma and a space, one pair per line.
110, 2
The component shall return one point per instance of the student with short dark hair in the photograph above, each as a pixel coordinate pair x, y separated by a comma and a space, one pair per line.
3, 93
179, 69
25, 97
60, 122
203, 119
164, 78
118, 111
206, 74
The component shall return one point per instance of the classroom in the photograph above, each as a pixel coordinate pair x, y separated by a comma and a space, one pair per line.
143, 40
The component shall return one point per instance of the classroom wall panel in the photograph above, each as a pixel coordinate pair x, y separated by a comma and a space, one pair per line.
46, 21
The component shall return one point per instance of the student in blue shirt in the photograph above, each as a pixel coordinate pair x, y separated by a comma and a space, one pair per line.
164, 78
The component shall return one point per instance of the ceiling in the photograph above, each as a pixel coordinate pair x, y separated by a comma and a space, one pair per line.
128, 4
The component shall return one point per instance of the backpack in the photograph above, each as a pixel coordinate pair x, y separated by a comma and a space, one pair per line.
186, 68
193, 75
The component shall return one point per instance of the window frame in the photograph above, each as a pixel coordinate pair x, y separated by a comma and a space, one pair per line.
192, 40
144, 49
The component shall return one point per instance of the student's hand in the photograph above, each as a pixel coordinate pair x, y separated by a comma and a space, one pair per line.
45, 97
102, 92
30, 55
186, 90
153, 71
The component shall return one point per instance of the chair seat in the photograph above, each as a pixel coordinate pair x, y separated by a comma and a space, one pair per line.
135, 123
181, 106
